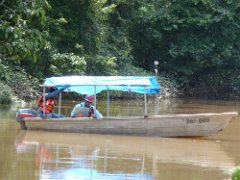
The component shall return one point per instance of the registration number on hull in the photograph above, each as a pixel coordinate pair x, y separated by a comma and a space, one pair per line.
197, 120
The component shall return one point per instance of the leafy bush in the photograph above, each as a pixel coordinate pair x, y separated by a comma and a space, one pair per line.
5, 94
68, 63
167, 84
130, 70
24, 86
236, 174
20, 83
168, 87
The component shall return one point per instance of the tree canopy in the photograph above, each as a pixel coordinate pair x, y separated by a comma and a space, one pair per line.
196, 42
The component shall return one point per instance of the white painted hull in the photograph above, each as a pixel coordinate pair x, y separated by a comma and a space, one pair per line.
204, 124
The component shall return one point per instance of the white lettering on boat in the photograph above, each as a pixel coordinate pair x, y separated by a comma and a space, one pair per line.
197, 120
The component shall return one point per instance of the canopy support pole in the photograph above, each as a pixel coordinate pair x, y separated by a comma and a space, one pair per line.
145, 103
156, 104
108, 103
59, 103
44, 104
95, 101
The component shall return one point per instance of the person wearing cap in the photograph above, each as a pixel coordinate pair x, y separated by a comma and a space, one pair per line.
86, 109
47, 105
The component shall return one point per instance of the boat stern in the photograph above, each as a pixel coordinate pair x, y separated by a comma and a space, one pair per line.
22, 113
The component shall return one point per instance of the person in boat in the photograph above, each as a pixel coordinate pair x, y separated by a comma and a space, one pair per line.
86, 109
49, 103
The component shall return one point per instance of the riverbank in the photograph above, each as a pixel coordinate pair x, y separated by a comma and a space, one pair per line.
20, 87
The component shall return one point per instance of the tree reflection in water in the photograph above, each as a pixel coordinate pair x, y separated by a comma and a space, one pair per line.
84, 156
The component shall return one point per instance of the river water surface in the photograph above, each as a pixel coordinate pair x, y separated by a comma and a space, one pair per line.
30, 155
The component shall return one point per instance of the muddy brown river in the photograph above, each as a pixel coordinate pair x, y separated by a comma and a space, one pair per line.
30, 155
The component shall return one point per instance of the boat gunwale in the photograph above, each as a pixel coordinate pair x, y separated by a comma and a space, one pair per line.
196, 115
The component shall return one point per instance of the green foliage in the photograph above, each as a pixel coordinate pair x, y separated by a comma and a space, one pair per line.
236, 174
23, 85
169, 87
129, 70
188, 38
196, 42
89, 34
21, 26
102, 65
5, 94
68, 63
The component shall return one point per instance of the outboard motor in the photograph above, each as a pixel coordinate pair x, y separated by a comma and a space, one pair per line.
21, 113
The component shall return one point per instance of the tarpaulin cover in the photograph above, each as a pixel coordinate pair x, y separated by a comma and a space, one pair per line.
92, 84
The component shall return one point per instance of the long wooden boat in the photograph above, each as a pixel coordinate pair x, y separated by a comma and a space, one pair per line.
204, 124
175, 125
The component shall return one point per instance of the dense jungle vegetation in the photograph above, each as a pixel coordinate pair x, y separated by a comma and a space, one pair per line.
197, 43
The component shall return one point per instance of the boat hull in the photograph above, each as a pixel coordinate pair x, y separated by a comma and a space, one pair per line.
180, 125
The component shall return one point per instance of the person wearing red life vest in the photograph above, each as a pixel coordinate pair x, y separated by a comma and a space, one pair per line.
49, 103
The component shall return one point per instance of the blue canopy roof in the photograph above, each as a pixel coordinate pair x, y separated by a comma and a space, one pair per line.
87, 84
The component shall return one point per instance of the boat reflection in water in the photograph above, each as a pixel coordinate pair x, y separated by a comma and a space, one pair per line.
85, 156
